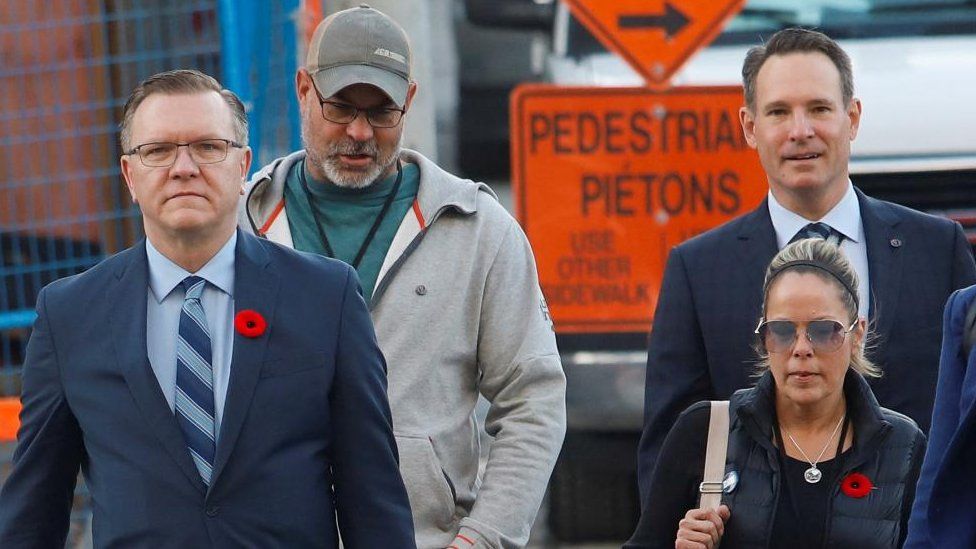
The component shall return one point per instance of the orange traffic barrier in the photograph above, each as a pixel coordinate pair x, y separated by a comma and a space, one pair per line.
9, 412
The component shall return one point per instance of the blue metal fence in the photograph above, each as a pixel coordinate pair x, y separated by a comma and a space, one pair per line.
261, 49
66, 67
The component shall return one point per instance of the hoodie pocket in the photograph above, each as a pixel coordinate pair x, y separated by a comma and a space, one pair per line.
431, 492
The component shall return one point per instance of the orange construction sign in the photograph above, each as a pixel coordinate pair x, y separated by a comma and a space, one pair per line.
9, 423
607, 180
655, 37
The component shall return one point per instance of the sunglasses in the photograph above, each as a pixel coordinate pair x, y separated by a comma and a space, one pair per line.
824, 335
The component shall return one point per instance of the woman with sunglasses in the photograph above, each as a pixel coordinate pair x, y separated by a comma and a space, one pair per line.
813, 460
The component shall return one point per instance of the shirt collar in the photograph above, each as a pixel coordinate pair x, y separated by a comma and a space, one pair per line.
164, 275
845, 217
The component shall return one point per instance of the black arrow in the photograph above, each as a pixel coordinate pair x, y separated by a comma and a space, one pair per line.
672, 21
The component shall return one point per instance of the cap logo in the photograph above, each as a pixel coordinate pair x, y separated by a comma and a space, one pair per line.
390, 54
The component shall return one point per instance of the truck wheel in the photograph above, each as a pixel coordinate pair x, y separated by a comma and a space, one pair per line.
593, 491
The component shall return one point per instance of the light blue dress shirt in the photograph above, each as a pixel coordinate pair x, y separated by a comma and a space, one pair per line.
165, 301
845, 217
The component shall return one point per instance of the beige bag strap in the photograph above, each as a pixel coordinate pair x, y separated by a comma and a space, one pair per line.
715, 453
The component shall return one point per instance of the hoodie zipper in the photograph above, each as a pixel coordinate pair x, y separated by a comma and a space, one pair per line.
380, 290
388, 278
247, 207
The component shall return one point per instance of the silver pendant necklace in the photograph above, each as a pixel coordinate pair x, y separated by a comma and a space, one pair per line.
813, 474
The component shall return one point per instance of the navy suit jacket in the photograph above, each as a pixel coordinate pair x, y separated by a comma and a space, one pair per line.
701, 344
305, 442
942, 515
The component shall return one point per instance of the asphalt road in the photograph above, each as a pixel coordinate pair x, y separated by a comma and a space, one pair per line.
540, 538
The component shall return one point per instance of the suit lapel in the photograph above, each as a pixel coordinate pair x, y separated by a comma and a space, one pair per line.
128, 325
883, 241
757, 238
255, 288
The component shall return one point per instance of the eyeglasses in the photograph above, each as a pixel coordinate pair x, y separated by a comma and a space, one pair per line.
824, 335
163, 154
344, 113
378, 117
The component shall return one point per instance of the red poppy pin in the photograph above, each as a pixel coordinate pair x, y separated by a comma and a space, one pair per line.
856, 485
249, 323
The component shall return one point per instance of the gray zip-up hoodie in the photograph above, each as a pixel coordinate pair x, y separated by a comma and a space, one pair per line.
458, 311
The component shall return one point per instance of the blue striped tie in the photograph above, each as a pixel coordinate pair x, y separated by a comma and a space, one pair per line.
194, 380
819, 230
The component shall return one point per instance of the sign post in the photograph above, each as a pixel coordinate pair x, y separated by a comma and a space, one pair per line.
608, 180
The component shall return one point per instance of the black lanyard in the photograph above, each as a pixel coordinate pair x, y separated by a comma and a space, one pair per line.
372, 230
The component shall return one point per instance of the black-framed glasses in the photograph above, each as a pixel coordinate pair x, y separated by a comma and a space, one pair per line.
824, 335
163, 154
344, 113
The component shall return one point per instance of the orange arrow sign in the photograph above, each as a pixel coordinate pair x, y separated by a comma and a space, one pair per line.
655, 36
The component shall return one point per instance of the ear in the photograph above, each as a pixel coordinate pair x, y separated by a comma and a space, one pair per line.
246, 159
127, 166
748, 121
411, 91
858, 333
854, 113
303, 84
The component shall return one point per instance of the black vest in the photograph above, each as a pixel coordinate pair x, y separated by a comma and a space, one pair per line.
888, 449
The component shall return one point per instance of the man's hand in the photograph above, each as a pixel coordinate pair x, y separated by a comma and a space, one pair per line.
702, 528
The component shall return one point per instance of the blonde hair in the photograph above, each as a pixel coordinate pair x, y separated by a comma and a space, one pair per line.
818, 257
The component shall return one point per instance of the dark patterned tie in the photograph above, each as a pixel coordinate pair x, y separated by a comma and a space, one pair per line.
819, 230
194, 380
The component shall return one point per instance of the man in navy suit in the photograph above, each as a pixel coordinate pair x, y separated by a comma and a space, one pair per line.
942, 514
801, 116
216, 390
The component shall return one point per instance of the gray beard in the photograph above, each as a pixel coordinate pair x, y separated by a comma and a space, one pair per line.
330, 165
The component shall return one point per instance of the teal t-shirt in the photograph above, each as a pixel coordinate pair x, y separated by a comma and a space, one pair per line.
347, 215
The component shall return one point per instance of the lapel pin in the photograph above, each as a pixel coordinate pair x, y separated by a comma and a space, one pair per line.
730, 482
895, 243
856, 485
249, 323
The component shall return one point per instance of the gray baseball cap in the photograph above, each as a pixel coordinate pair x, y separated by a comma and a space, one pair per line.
360, 46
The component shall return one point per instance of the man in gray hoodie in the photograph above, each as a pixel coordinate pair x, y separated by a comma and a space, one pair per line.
449, 277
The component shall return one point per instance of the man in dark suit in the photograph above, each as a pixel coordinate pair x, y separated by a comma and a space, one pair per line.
942, 513
800, 116
216, 390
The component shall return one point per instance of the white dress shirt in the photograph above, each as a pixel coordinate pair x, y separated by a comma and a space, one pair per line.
165, 302
845, 218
